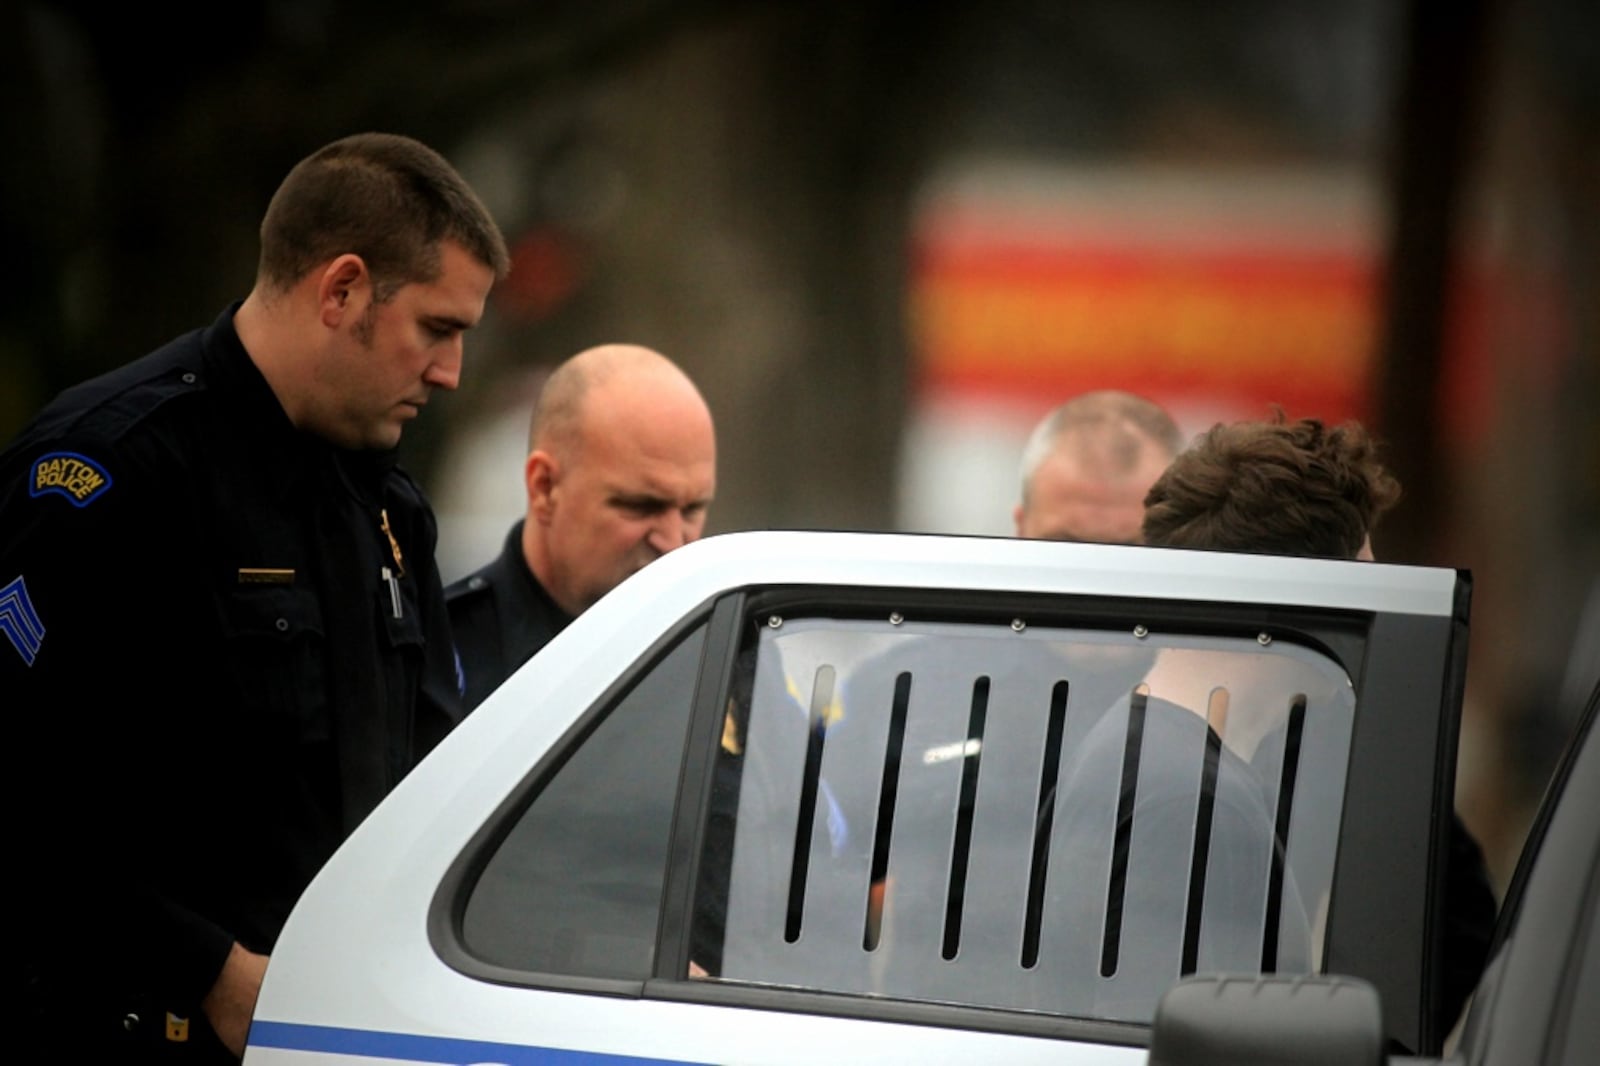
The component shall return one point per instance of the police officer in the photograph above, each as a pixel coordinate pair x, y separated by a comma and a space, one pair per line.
621, 469
222, 632
1088, 464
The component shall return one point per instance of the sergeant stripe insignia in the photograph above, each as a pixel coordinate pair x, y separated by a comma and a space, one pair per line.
76, 477
19, 621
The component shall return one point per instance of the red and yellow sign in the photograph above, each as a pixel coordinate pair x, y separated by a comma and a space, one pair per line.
1253, 326
1215, 293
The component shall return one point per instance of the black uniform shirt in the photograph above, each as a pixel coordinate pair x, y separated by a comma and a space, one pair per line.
500, 616
208, 669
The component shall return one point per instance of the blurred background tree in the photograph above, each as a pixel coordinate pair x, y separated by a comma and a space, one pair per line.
860, 226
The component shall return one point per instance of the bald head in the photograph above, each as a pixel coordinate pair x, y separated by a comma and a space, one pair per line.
599, 381
1088, 464
621, 469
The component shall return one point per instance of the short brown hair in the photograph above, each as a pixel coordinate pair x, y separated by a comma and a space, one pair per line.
385, 197
1280, 487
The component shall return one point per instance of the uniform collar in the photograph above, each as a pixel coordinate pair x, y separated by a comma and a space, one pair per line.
230, 370
282, 454
533, 611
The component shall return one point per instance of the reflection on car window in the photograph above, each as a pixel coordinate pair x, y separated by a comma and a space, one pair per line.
575, 888
1062, 820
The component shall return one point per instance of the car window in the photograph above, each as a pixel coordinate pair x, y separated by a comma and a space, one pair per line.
575, 887
1051, 819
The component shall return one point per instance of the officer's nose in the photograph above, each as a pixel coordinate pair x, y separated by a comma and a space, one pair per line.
445, 371
669, 532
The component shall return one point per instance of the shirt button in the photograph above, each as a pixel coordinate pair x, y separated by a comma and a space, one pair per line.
188, 379
477, 583
282, 624
130, 1022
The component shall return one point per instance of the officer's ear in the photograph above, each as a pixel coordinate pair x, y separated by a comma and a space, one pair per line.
337, 285
541, 475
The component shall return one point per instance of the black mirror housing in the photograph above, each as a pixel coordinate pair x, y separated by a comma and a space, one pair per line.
1306, 1020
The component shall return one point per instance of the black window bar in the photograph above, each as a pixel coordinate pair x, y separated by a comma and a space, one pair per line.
887, 792
961, 847
1291, 767
1044, 820
1111, 945
821, 699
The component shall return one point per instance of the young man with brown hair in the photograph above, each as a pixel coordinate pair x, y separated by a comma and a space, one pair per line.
1301, 487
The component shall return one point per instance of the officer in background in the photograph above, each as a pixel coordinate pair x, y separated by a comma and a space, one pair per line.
222, 633
1088, 464
621, 469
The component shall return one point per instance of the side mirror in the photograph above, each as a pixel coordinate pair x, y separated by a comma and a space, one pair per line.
1304, 1020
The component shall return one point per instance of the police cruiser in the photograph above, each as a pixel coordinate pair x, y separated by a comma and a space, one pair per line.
798, 797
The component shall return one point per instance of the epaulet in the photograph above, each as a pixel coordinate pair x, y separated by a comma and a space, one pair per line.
111, 406
466, 587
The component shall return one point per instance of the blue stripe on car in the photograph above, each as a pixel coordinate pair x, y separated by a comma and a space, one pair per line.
408, 1047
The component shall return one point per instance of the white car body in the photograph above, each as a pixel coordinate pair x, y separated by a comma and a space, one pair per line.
356, 976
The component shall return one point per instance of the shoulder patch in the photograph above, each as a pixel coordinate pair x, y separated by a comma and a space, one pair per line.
77, 477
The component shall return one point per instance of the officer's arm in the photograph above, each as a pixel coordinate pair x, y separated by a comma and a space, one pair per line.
232, 999
83, 648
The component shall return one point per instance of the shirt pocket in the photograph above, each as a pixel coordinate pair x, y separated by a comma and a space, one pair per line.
277, 647
401, 619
